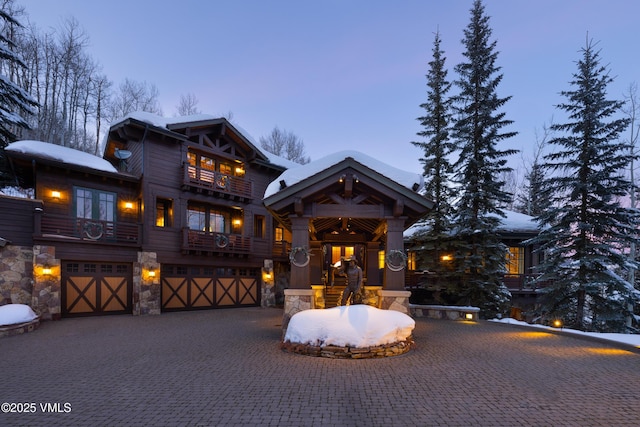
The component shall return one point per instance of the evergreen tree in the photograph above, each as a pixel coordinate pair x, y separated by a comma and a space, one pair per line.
437, 167
15, 103
586, 230
480, 254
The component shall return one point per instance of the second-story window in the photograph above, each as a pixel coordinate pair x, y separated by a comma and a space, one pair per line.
163, 212
95, 204
204, 218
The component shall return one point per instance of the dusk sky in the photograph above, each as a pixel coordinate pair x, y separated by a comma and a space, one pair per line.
347, 74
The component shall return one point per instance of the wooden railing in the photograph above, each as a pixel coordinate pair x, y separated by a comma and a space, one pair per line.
206, 179
281, 249
195, 240
92, 230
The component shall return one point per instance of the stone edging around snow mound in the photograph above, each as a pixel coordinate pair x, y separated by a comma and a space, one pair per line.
19, 328
337, 352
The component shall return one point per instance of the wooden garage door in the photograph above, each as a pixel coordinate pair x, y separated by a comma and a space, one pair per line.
192, 288
90, 288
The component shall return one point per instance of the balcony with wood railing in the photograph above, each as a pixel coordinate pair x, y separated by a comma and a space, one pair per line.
210, 242
63, 227
215, 183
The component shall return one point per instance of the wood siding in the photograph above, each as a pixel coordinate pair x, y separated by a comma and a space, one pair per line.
17, 219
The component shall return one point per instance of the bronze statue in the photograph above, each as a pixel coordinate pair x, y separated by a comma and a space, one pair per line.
350, 268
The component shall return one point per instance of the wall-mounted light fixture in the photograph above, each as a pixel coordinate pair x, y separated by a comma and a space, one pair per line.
237, 222
468, 316
128, 205
446, 258
342, 178
55, 194
239, 170
46, 270
152, 273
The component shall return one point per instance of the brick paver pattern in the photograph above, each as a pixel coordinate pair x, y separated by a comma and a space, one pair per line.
225, 367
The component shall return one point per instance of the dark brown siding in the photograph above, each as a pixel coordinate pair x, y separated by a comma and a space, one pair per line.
17, 219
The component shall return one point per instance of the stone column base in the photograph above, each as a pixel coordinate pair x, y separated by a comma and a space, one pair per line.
394, 300
295, 300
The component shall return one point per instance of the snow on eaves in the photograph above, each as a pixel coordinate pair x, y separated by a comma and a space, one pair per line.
162, 122
71, 156
513, 222
301, 172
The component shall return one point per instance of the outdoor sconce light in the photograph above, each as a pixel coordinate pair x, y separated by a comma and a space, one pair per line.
446, 258
557, 323
46, 270
468, 316
237, 222
267, 276
55, 194
128, 205
152, 273
239, 170
342, 178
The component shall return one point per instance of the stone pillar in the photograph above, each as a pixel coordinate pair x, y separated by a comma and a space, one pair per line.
268, 291
394, 300
16, 273
295, 300
146, 284
46, 287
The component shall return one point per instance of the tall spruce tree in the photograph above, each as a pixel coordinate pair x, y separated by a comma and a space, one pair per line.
15, 103
480, 255
586, 231
437, 148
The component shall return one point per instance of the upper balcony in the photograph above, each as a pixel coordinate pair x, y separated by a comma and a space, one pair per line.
216, 184
63, 227
212, 242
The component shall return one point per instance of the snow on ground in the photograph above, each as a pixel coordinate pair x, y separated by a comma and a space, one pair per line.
11, 314
630, 339
354, 326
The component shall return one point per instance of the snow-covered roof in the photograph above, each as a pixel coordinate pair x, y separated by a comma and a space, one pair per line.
516, 221
162, 122
513, 222
167, 122
301, 172
61, 154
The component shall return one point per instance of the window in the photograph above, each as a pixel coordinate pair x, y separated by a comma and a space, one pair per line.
411, 261
258, 226
163, 212
210, 219
279, 234
338, 252
95, 204
515, 261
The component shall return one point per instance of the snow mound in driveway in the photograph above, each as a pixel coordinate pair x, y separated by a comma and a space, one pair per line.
351, 326
12, 314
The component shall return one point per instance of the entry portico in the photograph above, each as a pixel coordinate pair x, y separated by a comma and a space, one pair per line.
346, 204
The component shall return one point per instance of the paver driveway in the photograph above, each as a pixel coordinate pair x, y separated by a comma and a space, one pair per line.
224, 367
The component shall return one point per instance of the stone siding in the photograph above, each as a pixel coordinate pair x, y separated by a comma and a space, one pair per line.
16, 272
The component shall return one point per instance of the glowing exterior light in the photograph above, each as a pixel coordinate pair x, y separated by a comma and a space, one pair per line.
55, 194
468, 316
557, 323
46, 271
446, 257
128, 205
